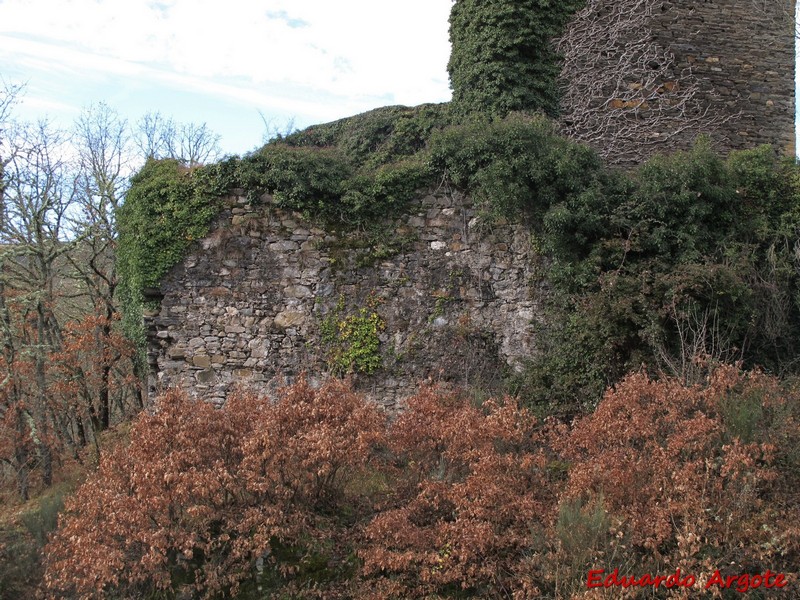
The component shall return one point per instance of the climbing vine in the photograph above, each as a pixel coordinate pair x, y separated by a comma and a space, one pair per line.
351, 341
503, 58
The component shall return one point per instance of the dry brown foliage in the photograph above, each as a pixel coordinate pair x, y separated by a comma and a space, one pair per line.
699, 477
453, 499
201, 494
472, 496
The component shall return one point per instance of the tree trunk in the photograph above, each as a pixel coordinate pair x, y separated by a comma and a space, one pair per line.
21, 458
81, 430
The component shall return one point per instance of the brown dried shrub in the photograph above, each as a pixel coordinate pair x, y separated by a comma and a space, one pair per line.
201, 494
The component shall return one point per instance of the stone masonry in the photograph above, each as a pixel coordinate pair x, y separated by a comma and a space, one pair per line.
743, 54
246, 305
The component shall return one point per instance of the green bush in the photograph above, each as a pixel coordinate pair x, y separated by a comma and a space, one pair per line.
379, 136
323, 185
21, 547
20, 564
383, 192
302, 179
513, 166
44, 520
350, 172
690, 257
582, 529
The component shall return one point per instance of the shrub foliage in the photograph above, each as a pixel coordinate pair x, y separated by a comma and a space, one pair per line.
471, 493
315, 495
201, 494
689, 256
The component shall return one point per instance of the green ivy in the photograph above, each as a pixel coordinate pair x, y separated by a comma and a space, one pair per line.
632, 257
350, 172
377, 137
502, 57
352, 341
320, 172
690, 252
513, 166
166, 209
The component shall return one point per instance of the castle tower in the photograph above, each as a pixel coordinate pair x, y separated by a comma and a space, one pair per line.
648, 76
742, 53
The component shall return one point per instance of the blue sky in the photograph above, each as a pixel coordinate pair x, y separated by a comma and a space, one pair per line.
227, 62
223, 63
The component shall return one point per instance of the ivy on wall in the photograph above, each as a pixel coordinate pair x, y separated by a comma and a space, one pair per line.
165, 210
686, 243
502, 56
351, 341
343, 174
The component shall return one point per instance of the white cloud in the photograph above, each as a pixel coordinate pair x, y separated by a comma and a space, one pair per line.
350, 48
221, 62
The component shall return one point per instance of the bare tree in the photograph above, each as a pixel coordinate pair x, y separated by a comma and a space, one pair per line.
9, 95
104, 163
58, 274
155, 135
160, 137
37, 194
621, 92
700, 342
197, 144
12, 411
274, 131
64, 366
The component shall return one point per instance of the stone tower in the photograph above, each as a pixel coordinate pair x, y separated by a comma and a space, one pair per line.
743, 54
646, 76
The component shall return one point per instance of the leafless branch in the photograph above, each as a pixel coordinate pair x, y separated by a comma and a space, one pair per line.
701, 342
160, 137
621, 92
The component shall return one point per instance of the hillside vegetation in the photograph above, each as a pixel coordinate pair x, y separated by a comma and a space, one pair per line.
657, 430
315, 495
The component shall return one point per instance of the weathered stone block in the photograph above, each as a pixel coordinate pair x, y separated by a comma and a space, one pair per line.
176, 352
297, 291
289, 318
206, 376
201, 360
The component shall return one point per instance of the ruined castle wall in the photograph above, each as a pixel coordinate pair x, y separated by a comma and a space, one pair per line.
248, 302
743, 53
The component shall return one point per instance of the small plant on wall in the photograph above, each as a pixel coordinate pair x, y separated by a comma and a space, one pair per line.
351, 341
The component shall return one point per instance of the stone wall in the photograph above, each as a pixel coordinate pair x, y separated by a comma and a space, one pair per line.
743, 53
248, 303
